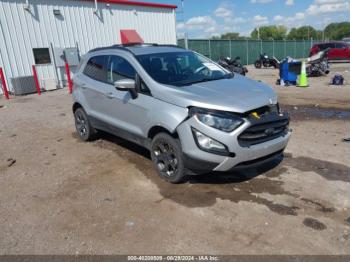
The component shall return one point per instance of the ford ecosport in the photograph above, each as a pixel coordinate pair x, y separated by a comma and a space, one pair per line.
193, 115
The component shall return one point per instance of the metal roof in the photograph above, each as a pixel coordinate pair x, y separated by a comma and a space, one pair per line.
136, 3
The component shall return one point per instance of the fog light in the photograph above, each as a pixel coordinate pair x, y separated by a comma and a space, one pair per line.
208, 144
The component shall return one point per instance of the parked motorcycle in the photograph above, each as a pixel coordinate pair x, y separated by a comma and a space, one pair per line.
318, 64
233, 65
266, 61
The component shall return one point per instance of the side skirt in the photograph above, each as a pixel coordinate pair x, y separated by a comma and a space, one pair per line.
100, 125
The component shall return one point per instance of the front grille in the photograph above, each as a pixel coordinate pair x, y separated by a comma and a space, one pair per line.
263, 132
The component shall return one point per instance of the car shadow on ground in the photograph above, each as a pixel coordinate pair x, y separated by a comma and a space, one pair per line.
237, 175
242, 184
140, 156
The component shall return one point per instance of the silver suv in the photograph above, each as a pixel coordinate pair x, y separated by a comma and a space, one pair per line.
193, 115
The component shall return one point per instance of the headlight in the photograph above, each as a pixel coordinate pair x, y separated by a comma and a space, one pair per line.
220, 120
208, 144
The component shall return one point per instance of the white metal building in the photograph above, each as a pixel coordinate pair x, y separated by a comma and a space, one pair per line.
36, 32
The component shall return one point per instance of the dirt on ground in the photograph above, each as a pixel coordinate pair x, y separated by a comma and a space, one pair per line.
59, 195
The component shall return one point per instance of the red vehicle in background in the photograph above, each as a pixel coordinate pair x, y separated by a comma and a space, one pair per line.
337, 51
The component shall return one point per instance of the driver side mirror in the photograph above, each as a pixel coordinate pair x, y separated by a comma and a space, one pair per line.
126, 85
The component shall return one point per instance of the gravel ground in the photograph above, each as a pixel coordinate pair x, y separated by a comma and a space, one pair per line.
62, 196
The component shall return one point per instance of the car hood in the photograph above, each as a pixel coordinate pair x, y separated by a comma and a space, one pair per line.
238, 94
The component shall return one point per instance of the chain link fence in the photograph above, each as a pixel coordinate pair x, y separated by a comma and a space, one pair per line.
248, 50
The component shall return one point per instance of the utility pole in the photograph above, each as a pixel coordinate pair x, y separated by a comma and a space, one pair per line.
186, 40
323, 31
323, 35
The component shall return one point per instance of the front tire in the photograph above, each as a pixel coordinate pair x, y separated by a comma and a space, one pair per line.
83, 126
167, 157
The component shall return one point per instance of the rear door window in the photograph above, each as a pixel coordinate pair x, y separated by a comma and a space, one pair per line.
96, 68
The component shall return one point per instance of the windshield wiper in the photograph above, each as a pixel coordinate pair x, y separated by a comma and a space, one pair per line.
208, 79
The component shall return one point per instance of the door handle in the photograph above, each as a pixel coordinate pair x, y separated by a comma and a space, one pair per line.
83, 86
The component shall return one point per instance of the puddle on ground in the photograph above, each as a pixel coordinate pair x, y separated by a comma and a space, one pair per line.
328, 170
320, 207
314, 224
299, 113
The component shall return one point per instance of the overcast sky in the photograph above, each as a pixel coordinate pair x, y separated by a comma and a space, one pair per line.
205, 18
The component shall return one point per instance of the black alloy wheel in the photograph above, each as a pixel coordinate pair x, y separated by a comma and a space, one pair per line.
83, 127
167, 158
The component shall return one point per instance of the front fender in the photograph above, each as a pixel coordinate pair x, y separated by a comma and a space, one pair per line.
166, 115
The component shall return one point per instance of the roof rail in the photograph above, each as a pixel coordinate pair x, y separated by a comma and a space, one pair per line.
169, 45
125, 46
108, 47
149, 44
139, 44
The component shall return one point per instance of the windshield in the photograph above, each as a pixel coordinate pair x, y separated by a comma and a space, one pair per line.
181, 68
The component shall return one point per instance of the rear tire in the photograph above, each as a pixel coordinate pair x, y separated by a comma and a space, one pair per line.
257, 64
83, 126
167, 157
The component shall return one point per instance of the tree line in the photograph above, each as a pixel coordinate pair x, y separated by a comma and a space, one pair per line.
333, 31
